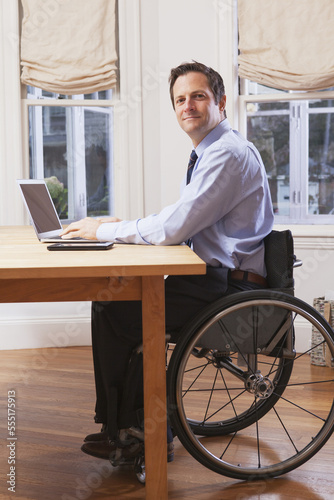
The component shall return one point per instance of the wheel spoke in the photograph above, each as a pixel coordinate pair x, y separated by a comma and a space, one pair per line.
285, 429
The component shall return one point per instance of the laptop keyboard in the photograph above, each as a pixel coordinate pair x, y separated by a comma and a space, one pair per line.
58, 238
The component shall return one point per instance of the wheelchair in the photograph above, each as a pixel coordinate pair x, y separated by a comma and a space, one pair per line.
241, 399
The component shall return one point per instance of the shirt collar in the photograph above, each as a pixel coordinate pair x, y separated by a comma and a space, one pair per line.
222, 127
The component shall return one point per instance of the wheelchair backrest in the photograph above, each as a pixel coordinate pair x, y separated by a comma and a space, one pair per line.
248, 330
279, 259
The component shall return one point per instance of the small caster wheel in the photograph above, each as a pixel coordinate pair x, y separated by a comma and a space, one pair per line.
139, 467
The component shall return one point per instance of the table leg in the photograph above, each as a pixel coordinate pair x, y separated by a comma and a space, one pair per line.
153, 304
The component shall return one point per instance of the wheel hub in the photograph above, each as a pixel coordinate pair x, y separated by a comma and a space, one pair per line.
262, 387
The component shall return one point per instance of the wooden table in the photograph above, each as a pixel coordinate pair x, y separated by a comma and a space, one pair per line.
31, 273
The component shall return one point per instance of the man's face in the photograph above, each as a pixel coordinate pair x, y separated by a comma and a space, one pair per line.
195, 107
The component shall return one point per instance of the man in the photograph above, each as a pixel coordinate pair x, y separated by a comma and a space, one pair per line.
223, 213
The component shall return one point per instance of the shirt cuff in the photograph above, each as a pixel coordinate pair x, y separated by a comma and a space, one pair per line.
107, 231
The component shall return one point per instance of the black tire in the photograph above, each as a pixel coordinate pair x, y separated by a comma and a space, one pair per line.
216, 417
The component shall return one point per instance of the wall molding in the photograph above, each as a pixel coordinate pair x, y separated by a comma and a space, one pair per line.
314, 243
34, 332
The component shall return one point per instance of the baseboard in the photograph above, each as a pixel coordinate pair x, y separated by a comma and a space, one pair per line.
34, 333
49, 331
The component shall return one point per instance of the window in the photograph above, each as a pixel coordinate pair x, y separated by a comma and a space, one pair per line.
74, 137
294, 133
71, 146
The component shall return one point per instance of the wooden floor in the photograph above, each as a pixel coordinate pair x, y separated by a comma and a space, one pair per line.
55, 396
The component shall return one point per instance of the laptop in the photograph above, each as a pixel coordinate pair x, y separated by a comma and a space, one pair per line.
42, 211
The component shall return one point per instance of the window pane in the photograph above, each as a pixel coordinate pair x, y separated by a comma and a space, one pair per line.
33, 92
98, 162
268, 129
54, 157
48, 152
102, 94
254, 88
321, 162
322, 103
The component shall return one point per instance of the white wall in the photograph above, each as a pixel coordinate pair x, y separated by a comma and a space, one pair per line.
314, 246
169, 33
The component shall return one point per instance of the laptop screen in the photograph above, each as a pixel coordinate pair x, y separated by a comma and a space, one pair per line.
40, 207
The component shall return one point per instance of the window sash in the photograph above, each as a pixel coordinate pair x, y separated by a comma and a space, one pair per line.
298, 143
75, 140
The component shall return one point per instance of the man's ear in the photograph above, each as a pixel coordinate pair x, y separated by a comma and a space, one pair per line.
222, 103
222, 107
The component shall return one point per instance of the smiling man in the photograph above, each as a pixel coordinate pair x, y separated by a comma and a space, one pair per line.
224, 212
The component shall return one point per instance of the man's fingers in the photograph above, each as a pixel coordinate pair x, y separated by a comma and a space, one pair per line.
71, 228
70, 235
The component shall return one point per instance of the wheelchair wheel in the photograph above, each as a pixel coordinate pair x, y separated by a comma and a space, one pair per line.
241, 400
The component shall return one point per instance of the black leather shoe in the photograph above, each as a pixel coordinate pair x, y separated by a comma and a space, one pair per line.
117, 453
100, 449
98, 445
98, 436
120, 454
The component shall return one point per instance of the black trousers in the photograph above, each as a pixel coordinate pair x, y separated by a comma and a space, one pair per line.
117, 330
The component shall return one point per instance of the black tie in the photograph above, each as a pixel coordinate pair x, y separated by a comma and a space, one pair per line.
191, 164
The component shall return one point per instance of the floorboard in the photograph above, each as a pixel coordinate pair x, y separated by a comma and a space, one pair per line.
54, 390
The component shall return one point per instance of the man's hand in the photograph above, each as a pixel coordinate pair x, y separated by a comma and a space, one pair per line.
84, 228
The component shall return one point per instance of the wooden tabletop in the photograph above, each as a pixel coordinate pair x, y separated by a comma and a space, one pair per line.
23, 256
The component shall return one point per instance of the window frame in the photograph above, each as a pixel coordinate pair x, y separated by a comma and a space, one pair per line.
127, 117
298, 142
77, 105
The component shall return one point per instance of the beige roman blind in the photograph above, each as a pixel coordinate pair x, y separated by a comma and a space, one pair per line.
287, 44
69, 46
